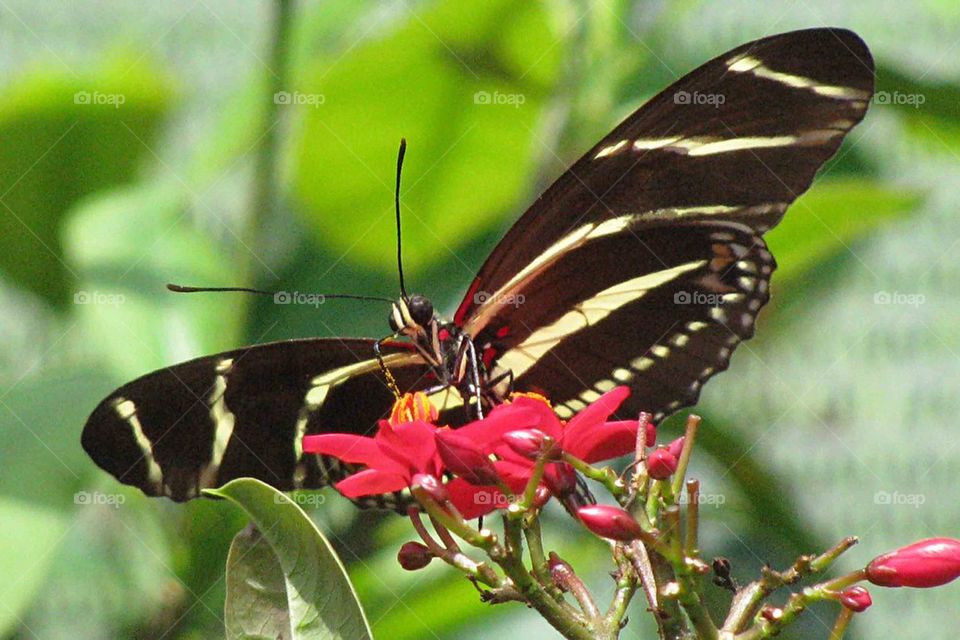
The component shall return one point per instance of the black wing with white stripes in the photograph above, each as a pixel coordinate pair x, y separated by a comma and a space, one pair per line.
244, 413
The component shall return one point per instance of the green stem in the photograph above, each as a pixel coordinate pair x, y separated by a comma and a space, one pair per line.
689, 438
626, 587
510, 558
538, 558
605, 476
840, 626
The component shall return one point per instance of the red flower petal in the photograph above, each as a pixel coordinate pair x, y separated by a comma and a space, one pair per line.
349, 448
594, 415
504, 418
473, 501
371, 482
411, 444
465, 458
604, 441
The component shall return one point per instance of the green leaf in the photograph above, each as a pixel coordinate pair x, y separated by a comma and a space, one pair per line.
28, 538
64, 138
257, 606
466, 84
311, 595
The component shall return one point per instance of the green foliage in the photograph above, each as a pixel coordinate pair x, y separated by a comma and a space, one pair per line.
283, 578
63, 138
466, 84
29, 533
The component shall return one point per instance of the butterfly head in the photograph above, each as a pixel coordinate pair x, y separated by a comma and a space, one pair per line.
412, 315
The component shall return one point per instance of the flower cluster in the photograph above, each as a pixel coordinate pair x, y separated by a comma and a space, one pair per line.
492, 460
521, 455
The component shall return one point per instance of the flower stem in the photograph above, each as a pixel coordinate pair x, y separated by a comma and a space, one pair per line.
691, 542
510, 558
840, 626
689, 438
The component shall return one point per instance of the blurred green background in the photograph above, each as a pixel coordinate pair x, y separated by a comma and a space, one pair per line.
132, 141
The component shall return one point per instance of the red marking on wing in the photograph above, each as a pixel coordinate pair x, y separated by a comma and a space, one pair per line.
467, 304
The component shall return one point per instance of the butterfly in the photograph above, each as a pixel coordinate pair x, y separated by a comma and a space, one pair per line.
643, 265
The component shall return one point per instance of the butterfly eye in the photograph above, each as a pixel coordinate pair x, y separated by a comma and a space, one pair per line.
421, 310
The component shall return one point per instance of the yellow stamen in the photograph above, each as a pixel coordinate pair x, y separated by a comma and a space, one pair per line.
413, 406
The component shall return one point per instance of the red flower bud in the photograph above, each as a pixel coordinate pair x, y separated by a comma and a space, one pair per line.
532, 443
541, 496
676, 447
610, 522
414, 556
856, 598
431, 486
661, 464
464, 458
928, 563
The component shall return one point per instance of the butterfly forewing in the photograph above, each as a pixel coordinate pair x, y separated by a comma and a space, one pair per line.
706, 166
244, 413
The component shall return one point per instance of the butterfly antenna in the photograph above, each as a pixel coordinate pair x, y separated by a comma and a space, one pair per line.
282, 296
396, 202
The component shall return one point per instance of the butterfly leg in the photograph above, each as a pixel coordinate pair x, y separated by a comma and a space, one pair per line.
490, 389
465, 365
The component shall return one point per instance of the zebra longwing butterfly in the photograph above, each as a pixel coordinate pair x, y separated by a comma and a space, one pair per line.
643, 264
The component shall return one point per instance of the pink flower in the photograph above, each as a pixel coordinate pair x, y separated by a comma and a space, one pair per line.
588, 436
928, 563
